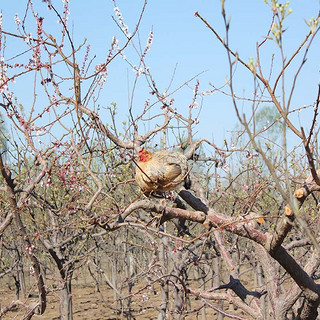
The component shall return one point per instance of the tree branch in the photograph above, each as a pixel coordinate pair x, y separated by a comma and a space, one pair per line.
10, 185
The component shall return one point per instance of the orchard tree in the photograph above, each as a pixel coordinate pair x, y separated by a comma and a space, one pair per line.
241, 243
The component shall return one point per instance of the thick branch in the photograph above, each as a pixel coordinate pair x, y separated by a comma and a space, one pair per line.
218, 220
282, 230
308, 187
10, 185
6, 222
309, 154
240, 290
242, 228
309, 287
226, 297
167, 212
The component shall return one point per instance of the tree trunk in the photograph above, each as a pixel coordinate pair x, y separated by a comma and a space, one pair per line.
217, 282
164, 302
22, 281
260, 284
164, 286
178, 294
19, 280
129, 271
66, 312
203, 287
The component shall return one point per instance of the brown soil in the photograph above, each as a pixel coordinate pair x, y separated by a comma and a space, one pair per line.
90, 304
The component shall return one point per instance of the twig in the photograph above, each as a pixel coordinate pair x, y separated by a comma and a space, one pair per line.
310, 158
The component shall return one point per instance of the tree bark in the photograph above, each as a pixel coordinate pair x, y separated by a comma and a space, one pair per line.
65, 305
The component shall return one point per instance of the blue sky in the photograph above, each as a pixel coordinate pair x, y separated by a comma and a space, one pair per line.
182, 43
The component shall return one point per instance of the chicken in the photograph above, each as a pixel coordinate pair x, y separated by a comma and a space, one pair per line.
161, 171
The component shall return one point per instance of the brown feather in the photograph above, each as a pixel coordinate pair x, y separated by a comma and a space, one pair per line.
160, 171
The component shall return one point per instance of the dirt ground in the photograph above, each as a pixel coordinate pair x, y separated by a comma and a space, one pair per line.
90, 304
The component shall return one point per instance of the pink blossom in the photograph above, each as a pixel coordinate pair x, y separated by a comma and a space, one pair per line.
17, 19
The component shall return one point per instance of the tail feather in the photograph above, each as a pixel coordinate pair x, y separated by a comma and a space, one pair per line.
187, 182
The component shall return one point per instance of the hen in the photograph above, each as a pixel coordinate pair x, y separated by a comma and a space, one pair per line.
161, 171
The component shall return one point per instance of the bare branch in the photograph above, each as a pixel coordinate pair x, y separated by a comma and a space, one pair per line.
6, 174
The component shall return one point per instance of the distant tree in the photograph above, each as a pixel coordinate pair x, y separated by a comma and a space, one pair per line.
269, 119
